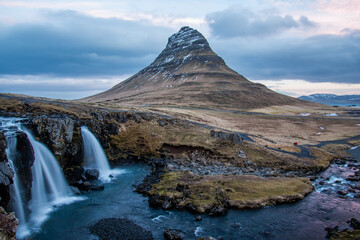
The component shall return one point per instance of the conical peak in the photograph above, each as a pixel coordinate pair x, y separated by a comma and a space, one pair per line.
187, 37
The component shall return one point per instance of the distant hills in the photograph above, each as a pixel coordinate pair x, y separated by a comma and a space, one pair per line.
188, 73
332, 99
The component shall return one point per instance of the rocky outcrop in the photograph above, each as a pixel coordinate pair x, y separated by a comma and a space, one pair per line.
24, 160
6, 174
8, 225
119, 228
173, 234
62, 135
227, 136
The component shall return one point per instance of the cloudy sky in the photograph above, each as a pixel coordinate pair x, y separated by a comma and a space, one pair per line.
74, 48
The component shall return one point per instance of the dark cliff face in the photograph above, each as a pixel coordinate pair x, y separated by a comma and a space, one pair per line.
24, 160
6, 174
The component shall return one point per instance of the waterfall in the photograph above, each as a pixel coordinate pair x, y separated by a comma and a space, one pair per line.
49, 187
94, 156
17, 189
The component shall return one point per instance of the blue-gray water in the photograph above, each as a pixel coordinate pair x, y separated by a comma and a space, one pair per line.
305, 219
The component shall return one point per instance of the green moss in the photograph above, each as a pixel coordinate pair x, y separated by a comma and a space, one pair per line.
239, 191
347, 235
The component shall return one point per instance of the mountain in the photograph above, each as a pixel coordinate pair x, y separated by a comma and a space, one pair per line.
188, 73
332, 99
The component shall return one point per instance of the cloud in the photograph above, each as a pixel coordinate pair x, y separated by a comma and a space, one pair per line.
320, 58
297, 88
69, 43
244, 23
57, 87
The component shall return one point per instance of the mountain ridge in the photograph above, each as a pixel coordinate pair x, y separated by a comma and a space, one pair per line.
332, 98
188, 73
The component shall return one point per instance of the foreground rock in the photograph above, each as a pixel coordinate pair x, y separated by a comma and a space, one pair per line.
173, 234
214, 195
8, 225
92, 174
119, 228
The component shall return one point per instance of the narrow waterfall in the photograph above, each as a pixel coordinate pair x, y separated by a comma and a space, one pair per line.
16, 189
94, 156
49, 187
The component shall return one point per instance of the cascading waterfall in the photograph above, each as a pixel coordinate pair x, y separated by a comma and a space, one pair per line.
16, 188
94, 156
49, 187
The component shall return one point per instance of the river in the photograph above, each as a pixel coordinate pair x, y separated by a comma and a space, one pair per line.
305, 219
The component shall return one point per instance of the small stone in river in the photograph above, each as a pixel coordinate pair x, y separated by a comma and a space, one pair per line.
354, 223
92, 174
198, 218
342, 192
173, 234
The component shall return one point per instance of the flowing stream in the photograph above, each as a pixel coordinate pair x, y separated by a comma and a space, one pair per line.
305, 219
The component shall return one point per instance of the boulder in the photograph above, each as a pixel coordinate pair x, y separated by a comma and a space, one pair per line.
198, 218
227, 136
92, 174
354, 223
173, 234
24, 160
353, 178
6, 178
75, 190
119, 228
218, 211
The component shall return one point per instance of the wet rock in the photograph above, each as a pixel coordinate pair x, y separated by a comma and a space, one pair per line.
207, 238
217, 211
92, 174
8, 225
6, 174
322, 183
339, 161
75, 190
342, 192
173, 234
166, 203
353, 178
312, 178
2, 148
154, 201
74, 175
24, 160
354, 223
331, 231
6, 178
119, 228
198, 218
